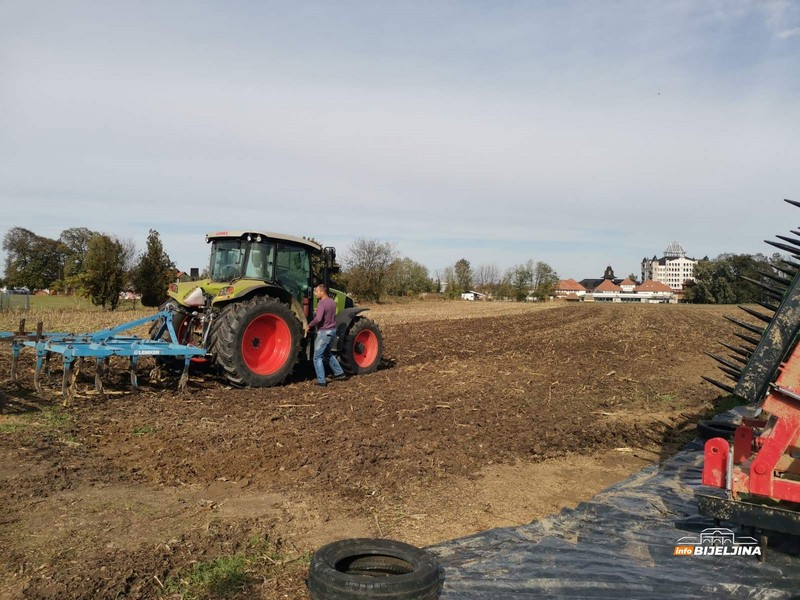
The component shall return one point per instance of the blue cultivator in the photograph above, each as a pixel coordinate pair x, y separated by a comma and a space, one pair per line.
101, 346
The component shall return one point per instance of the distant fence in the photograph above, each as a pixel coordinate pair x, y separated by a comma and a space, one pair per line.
10, 300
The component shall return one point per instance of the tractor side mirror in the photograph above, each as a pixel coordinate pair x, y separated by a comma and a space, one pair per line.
329, 257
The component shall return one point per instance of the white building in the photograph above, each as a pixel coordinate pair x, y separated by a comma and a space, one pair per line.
673, 269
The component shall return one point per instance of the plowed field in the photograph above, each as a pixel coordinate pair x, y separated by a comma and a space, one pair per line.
483, 415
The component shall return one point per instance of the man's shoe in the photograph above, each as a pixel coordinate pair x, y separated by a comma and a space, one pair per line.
321, 384
341, 377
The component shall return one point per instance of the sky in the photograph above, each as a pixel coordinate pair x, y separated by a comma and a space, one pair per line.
579, 133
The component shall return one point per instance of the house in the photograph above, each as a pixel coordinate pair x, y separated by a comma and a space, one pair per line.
472, 295
569, 289
673, 269
591, 284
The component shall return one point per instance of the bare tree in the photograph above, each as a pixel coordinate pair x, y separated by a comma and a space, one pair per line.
367, 263
487, 277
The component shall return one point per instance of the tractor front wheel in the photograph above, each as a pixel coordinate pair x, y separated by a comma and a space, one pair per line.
256, 342
362, 348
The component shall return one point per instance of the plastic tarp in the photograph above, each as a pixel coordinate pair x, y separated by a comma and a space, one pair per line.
620, 544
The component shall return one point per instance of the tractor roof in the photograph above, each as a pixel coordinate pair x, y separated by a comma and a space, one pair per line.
281, 237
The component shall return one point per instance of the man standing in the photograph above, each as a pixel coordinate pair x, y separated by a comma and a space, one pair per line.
325, 318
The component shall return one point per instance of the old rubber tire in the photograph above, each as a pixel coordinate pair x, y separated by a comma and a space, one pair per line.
707, 430
373, 568
361, 350
256, 342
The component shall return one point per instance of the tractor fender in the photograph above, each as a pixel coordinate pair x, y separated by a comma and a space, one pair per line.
265, 290
343, 321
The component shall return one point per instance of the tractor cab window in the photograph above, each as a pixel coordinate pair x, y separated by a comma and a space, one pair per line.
293, 269
260, 259
227, 258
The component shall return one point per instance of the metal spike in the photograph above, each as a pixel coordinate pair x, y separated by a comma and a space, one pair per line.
747, 339
790, 249
776, 278
791, 272
768, 306
778, 294
794, 202
737, 349
734, 374
722, 361
721, 386
185, 375
792, 241
795, 231
102, 369
738, 359
756, 314
746, 326
792, 264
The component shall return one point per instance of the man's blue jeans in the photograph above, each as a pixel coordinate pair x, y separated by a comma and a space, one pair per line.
322, 354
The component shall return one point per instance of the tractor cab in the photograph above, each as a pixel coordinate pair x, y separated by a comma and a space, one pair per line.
263, 257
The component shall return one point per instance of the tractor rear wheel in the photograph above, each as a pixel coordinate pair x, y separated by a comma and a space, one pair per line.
256, 342
362, 348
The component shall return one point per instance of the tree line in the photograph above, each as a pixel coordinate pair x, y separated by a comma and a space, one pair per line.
374, 269
88, 263
726, 279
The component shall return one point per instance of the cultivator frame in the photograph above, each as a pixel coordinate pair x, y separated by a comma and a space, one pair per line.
100, 346
760, 471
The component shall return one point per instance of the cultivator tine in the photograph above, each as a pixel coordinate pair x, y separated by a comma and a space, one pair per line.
185, 375
100, 373
721, 386
68, 379
756, 314
134, 378
794, 202
746, 326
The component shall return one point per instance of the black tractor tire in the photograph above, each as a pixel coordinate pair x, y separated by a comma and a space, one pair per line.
377, 569
179, 317
256, 342
361, 350
707, 430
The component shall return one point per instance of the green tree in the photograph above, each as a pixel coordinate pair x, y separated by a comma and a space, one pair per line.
406, 277
103, 275
154, 272
720, 281
463, 273
74, 244
545, 280
520, 280
31, 260
367, 265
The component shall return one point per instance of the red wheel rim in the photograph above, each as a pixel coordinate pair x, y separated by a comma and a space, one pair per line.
265, 344
185, 337
365, 348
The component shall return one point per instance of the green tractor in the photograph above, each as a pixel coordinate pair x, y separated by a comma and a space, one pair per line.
252, 312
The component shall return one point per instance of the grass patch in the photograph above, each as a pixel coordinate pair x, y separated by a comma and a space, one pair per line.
221, 577
230, 575
143, 430
50, 418
15, 427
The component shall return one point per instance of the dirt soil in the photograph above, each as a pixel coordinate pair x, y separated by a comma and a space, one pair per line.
483, 415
